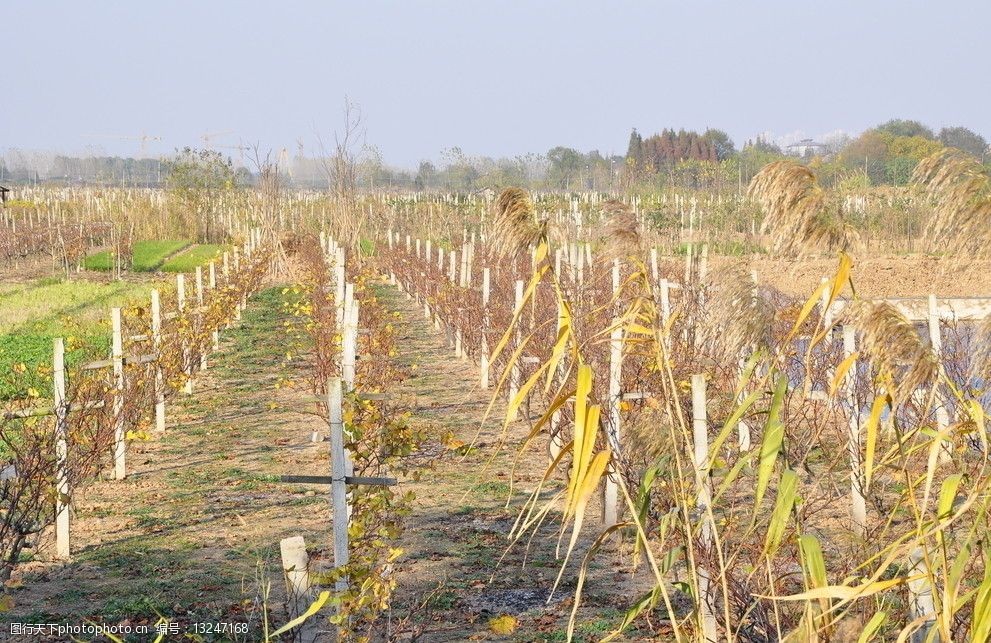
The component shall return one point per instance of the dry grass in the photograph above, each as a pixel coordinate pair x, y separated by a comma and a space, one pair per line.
798, 217
737, 317
893, 344
516, 227
622, 237
960, 190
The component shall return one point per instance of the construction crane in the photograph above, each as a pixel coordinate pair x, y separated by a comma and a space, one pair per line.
241, 149
211, 135
144, 138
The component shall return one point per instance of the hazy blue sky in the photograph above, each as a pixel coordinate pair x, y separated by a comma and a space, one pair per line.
495, 78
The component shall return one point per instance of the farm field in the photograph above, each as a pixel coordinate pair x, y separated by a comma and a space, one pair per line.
146, 544
33, 314
147, 256
422, 322
476, 417
199, 255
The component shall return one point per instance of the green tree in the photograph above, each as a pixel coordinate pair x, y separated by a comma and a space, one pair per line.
964, 139
564, 167
901, 127
195, 181
721, 141
426, 176
869, 153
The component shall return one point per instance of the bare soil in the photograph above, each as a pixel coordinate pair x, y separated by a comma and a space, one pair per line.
876, 277
193, 532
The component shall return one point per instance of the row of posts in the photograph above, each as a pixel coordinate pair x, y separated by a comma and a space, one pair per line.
117, 362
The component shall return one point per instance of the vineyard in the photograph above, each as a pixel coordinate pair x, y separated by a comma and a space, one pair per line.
676, 415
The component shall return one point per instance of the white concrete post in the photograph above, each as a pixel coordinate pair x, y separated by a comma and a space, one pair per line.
858, 503
484, 349
156, 336
117, 356
62, 492
610, 497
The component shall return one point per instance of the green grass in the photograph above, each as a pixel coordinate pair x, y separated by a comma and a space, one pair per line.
724, 248
148, 255
196, 256
33, 315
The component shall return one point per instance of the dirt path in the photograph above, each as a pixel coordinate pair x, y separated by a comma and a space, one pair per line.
193, 532
451, 577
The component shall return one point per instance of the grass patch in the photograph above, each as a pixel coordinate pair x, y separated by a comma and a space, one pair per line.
492, 487
32, 316
724, 249
200, 255
147, 255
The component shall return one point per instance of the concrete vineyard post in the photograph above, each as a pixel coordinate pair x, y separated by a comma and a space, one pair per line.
484, 350
117, 355
858, 504
743, 429
700, 437
295, 566
610, 498
921, 605
653, 266
936, 342
156, 336
199, 313
237, 268
187, 358
213, 289
339, 286
338, 485
703, 498
556, 442
615, 284
348, 338
62, 493
666, 310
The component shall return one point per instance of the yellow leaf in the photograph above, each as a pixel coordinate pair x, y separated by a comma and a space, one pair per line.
841, 372
503, 624
842, 592
872, 422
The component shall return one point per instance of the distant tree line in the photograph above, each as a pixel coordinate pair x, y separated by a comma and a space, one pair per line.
882, 155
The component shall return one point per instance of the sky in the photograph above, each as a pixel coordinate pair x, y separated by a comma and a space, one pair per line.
494, 78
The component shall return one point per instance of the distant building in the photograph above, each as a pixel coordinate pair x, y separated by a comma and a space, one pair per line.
806, 147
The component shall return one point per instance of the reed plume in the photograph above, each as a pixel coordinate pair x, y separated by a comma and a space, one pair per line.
515, 225
798, 218
892, 343
960, 190
621, 237
737, 317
